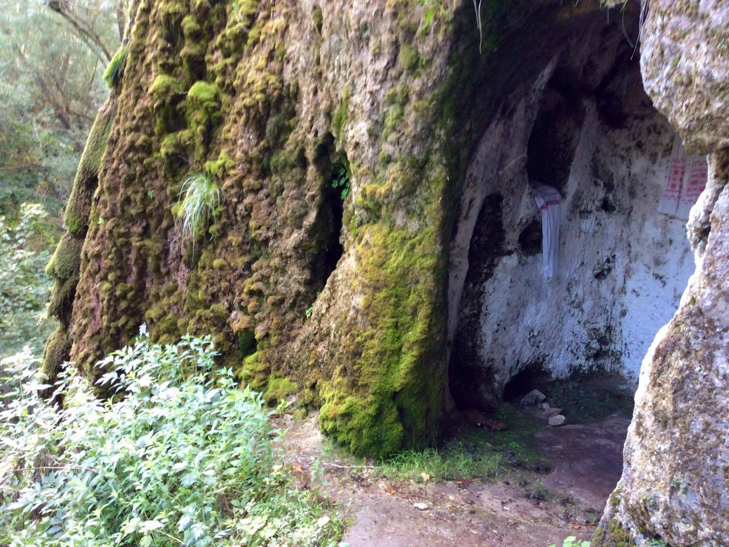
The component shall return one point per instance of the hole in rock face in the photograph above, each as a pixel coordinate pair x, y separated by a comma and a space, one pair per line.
530, 238
334, 204
532, 377
553, 139
335, 170
583, 126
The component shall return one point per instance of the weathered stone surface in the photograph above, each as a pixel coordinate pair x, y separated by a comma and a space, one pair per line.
585, 127
675, 483
556, 421
534, 397
685, 65
337, 135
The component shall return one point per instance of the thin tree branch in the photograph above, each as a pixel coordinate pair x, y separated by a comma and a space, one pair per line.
82, 30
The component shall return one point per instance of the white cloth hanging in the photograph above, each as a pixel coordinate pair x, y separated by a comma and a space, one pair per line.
685, 180
549, 202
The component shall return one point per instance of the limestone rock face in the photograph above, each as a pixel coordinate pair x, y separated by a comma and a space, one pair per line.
586, 128
336, 135
685, 65
675, 483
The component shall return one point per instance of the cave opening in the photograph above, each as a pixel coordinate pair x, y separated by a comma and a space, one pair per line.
583, 126
334, 168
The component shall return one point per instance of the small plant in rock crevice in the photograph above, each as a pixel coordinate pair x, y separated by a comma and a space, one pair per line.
341, 182
199, 199
115, 71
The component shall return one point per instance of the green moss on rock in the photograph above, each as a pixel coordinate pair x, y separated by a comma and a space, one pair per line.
202, 112
612, 535
397, 397
340, 116
409, 58
56, 353
62, 296
318, 18
165, 88
220, 167
79, 202
115, 71
279, 389
255, 372
67, 259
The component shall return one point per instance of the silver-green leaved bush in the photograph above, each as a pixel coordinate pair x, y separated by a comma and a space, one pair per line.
178, 455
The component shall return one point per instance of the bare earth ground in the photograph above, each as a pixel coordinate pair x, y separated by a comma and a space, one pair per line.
586, 461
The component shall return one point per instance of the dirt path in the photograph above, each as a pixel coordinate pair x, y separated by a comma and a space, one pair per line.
587, 462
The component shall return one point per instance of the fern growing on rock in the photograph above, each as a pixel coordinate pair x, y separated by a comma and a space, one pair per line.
200, 198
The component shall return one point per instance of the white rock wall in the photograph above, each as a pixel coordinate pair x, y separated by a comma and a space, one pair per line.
621, 270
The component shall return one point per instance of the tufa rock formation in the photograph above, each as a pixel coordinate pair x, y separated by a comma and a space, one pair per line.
363, 231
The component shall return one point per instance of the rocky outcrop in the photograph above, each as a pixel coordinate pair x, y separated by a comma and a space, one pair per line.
331, 143
675, 483
685, 66
334, 138
334, 150
585, 127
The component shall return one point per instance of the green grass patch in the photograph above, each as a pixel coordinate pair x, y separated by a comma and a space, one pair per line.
451, 463
469, 453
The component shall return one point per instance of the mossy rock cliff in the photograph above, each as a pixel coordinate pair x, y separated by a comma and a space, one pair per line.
338, 137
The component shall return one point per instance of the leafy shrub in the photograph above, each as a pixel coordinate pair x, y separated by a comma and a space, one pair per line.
25, 248
179, 456
200, 199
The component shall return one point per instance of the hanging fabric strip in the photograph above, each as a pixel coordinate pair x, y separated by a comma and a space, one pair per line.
549, 202
685, 181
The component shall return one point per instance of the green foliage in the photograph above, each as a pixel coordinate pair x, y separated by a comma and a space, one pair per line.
200, 197
431, 9
341, 182
24, 288
572, 541
115, 71
50, 88
180, 456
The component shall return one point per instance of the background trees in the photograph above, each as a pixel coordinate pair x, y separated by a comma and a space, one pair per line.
53, 54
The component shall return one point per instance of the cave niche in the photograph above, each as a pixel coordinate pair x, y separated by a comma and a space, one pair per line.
583, 125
